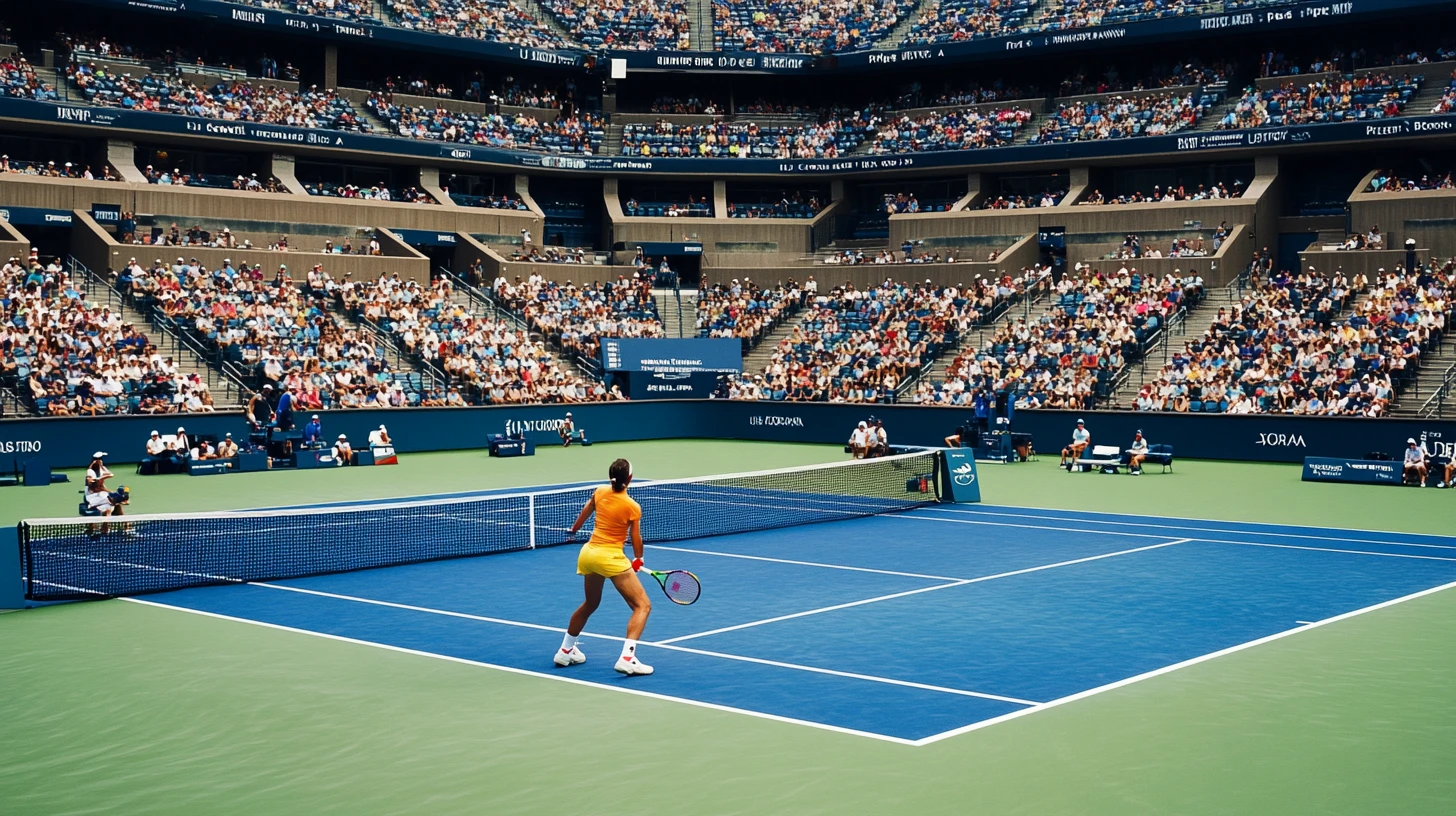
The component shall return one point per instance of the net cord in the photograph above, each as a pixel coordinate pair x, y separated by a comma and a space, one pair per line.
530, 497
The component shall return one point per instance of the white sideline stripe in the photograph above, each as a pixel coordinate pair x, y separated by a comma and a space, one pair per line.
664, 645
1213, 530
804, 563
1305, 623
529, 673
1150, 535
1175, 667
962, 582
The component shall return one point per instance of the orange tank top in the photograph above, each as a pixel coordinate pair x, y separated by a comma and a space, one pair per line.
614, 516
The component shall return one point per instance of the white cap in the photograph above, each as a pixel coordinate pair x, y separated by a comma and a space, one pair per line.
341, 436
154, 433
181, 429
315, 416
98, 454
1408, 442
863, 424
382, 428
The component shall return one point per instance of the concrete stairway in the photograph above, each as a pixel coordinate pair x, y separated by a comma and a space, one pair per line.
1436, 362
612, 140
897, 35
700, 21
1193, 325
540, 12
678, 310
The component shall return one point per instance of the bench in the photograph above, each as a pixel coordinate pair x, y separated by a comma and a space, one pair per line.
1106, 458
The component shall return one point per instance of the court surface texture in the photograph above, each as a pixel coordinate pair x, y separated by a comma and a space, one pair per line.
1079, 643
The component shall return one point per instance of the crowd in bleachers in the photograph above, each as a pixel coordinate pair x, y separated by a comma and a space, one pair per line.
1276, 63
216, 181
275, 331
1193, 72
1447, 102
579, 133
699, 207
1286, 349
51, 169
624, 25
952, 130
1172, 194
495, 20
858, 345
551, 254
1153, 114
374, 192
915, 95
20, 81
1373, 95
1069, 356
802, 27
1386, 181
745, 310
690, 105
1061, 15
503, 201
1016, 201
236, 100
488, 361
943, 21
796, 205
66, 355
341, 9
574, 317
744, 140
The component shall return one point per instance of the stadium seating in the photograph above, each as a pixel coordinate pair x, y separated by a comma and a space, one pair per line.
745, 310
949, 21
494, 20
68, 356
803, 27
1152, 114
1374, 95
955, 130
624, 25
20, 81
745, 140
574, 134
572, 317
1069, 356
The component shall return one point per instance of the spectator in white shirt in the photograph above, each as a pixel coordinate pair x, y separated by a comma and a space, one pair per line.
859, 440
1136, 453
342, 452
1415, 462
379, 438
227, 448
155, 446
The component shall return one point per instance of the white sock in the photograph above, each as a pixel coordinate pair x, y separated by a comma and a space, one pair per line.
568, 643
629, 649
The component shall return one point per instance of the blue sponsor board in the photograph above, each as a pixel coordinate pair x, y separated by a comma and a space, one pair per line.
722, 355
433, 238
656, 385
36, 217
1357, 471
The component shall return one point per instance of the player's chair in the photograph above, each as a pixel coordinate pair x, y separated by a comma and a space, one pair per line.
1161, 455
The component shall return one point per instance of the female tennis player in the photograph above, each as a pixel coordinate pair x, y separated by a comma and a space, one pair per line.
601, 559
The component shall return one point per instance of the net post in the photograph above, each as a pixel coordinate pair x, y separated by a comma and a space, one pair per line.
531, 519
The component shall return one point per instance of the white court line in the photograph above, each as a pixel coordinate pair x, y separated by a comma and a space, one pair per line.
962, 582
1207, 529
804, 563
662, 644
1150, 535
529, 673
1175, 667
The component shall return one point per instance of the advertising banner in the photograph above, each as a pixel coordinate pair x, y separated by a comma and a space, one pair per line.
1324, 469
958, 482
649, 385
666, 355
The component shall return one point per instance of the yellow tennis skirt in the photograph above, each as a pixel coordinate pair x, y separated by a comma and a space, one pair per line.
603, 561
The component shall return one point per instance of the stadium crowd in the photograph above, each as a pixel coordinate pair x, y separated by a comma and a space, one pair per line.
1285, 348
1152, 114
1172, 194
624, 25
494, 20
804, 27
951, 21
955, 130
576, 133
1372, 95
21, 82
744, 140
745, 310
1386, 181
50, 169
1069, 356
68, 356
573, 317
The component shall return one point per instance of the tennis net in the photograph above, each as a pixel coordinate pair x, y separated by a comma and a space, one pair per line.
74, 558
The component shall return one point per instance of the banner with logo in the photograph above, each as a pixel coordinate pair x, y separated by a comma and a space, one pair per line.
721, 355
1323, 469
958, 482
655, 385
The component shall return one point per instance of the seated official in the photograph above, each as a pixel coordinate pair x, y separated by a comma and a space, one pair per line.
879, 439
1081, 438
859, 440
227, 448
1135, 454
1415, 462
313, 433
1448, 472
155, 446
567, 430
379, 438
343, 453
97, 473
103, 503
184, 445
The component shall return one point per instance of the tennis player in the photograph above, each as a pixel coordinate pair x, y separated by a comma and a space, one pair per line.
601, 559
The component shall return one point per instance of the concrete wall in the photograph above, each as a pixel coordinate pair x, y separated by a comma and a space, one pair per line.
1429, 216
12, 243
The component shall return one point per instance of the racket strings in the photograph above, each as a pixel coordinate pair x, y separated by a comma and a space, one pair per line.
681, 586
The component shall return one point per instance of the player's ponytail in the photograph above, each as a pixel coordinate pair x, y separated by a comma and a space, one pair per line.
621, 474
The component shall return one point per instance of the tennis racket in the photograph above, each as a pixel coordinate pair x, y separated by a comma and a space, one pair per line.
680, 586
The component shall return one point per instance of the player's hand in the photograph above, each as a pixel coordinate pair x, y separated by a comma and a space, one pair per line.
570, 534
636, 564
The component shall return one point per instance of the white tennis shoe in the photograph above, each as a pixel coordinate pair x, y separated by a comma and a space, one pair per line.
631, 665
566, 658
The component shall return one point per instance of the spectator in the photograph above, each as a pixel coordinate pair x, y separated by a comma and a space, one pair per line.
1135, 454
379, 437
879, 440
227, 448
859, 440
313, 432
343, 454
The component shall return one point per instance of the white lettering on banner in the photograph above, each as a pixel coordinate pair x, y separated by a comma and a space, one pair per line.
1279, 440
1226, 21
20, 446
456, 153
677, 387
303, 24
1432, 443
250, 17
515, 426
352, 31
1427, 127
777, 421
66, 114
1090, 36
1382, 130
1268, 137
1326, 470
445, 238
57, 219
